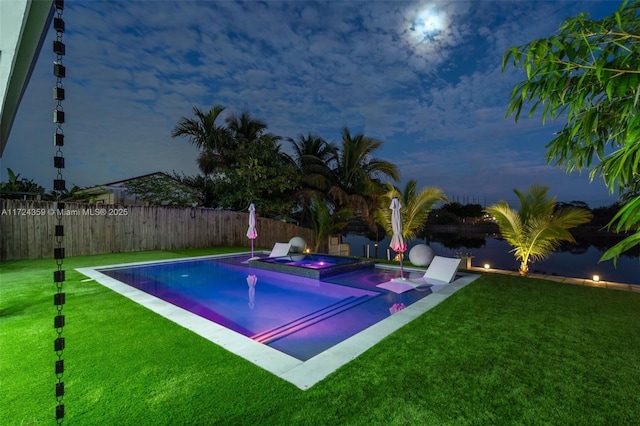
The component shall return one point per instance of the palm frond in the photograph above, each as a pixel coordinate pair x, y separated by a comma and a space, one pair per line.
416, 207
538, 228
508, 221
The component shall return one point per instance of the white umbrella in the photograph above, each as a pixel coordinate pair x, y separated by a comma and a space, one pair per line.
252, 232
397, 242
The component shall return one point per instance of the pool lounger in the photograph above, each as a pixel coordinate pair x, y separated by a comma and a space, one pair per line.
441, 270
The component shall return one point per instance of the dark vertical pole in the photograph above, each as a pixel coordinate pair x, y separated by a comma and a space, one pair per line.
59, 71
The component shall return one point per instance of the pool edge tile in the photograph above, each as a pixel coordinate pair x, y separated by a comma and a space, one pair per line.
303, 375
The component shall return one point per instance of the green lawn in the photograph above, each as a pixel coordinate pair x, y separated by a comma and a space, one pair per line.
503, 350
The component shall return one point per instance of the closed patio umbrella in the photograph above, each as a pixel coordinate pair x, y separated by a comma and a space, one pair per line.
397, 242
252, 232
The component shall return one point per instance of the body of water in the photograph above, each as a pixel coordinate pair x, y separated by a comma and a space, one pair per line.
583, 263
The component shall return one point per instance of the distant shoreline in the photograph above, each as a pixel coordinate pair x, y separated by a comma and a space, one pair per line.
490, 228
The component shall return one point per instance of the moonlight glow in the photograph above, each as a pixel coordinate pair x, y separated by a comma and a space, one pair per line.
429, 22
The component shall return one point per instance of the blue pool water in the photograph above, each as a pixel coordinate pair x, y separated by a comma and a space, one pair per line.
296, 315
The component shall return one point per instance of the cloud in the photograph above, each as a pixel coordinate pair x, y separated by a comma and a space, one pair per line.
437, 98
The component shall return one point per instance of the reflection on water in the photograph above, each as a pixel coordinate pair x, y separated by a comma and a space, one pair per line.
252, 280
580, 260
456, 241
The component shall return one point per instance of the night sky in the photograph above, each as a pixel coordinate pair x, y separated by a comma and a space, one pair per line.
424, 77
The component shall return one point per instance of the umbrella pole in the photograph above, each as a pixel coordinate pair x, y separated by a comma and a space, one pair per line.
252, 247
401, 271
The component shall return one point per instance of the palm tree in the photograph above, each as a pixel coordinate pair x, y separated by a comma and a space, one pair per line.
416, 207
358, 174
203, 132
313, 156
245, 127
538, 228
325, 220
249, 135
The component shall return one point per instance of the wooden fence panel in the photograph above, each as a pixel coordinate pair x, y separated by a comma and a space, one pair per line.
27, 229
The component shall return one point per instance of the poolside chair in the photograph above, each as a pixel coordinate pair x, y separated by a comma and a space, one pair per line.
441, 271
280, 249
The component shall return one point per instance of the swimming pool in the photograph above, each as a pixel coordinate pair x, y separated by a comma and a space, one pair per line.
293, 326
296, 315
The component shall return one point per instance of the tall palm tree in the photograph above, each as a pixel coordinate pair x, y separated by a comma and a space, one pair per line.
358, 174
209, 137
538, 228
416, 206
313, 156
247, 134
244, 127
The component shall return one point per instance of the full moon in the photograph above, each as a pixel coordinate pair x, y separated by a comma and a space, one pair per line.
429, 22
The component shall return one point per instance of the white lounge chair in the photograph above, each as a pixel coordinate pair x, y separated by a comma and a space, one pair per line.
441, 270
280, 249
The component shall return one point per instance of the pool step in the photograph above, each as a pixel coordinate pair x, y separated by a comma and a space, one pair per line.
308, 320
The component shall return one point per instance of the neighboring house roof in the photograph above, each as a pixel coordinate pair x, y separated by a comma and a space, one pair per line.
23, 25
119, 183
122, 183
179, 193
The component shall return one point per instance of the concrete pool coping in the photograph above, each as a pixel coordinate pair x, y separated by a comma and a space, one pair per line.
303, 374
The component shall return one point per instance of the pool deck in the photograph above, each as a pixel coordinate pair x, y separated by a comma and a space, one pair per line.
303, 374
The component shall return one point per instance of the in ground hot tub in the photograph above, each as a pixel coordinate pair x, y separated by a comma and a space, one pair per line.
312, 265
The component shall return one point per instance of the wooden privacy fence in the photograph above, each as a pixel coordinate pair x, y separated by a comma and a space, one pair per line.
27, 229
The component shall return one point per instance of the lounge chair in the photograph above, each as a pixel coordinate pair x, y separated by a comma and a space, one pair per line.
280, 249
441, 271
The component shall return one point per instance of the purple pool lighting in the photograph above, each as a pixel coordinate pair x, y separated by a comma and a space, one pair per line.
312, 265
296, 315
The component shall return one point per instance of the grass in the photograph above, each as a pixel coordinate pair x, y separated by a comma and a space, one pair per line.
503, 350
